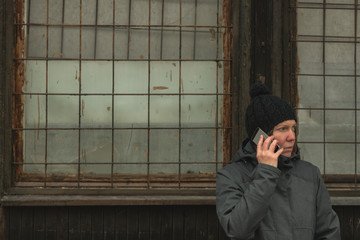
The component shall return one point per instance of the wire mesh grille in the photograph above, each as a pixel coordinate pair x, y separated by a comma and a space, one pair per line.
121, 93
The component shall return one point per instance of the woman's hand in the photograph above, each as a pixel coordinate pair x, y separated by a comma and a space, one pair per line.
265, 151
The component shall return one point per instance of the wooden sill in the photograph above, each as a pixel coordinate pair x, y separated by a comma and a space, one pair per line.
105, 200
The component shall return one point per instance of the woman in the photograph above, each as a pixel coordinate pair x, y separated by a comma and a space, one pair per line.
268, 193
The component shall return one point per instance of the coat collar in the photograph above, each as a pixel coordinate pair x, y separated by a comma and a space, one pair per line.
247, 153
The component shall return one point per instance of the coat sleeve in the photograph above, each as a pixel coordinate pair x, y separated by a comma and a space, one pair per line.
240, 207
327, 222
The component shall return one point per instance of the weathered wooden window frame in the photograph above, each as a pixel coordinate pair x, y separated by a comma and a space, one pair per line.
99, 196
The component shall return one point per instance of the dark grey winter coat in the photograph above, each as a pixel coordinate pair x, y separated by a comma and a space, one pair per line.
259, 201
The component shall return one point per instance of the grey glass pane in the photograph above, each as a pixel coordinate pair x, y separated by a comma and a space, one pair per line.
164, 149
63, 76
340, 92
130, 147
131, 77
96, 148
36, 41
34, 147
169, 45
339, 58
121, 43
63, 111
206, 44
139, 12
340, 126
310, 57
207, 11
37, 14
164, 111
131, 111
339, 23
340, 158
72, 12
314, 153
138, 43
164, 77
198, 111
88, 36
104, 43
198, 146
88, 11
311, 92
311, 125
310, 21
96, 111
35, 76
35, 111
122, 12
69, 150
199, 77
96, 77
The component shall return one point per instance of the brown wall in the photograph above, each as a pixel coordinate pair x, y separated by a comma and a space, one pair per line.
133, 222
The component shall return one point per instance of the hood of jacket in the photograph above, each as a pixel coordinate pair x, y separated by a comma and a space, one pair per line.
247, 153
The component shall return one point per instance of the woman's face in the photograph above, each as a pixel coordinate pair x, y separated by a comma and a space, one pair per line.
284, 133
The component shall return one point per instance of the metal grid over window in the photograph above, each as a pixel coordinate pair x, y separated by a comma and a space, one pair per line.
328, 75
121, 93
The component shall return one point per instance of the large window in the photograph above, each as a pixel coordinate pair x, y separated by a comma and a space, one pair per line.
121, 93
328, 87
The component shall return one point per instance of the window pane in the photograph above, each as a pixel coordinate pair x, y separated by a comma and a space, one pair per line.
118, 93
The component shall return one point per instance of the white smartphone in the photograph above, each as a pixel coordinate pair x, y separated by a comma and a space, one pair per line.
256, 137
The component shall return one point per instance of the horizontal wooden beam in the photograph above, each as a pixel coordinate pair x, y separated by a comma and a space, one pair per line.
109, 200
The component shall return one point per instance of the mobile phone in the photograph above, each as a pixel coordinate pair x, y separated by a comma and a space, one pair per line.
256, 137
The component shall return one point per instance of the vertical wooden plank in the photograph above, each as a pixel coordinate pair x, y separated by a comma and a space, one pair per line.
132, 222
85, 223
178, 223
3, 219
15, 223
109, 223
155, 223
50, 223
348, 222
190, 222
27, 223
213, 223
144, 223
39, 223
74, 223
120, 223
62, 219
222, 235
97, 223
339, 211
201, 223
166, 222
356, 223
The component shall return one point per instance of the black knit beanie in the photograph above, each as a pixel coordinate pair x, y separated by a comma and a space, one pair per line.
265, 110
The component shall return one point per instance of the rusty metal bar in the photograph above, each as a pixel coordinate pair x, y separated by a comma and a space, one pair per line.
180, 83
355, 90
47, 99
162, 28
149, 105
113, 99
194, 49
80, 105
28, 26
96, 24
129, 27
62, 29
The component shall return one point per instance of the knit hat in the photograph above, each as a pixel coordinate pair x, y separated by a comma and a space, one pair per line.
265, 110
